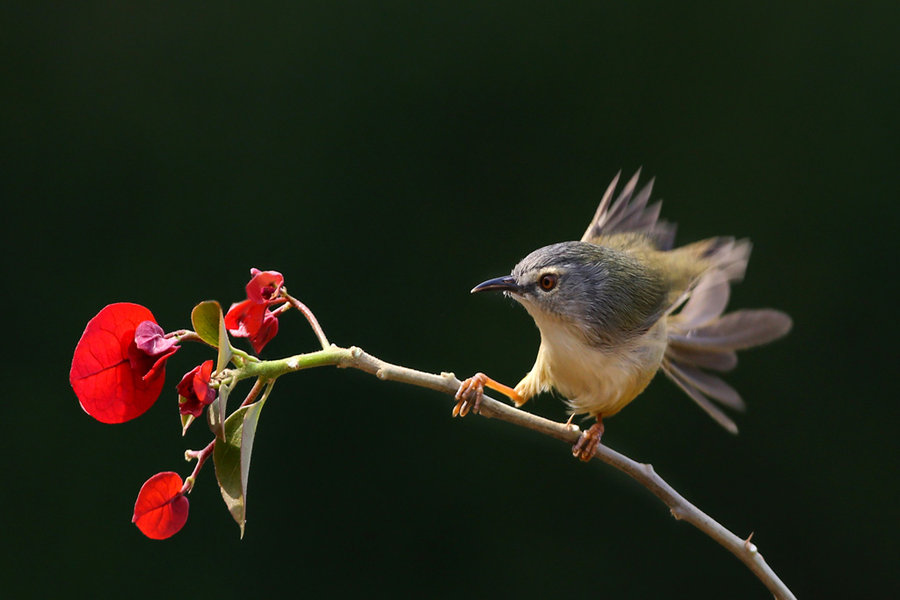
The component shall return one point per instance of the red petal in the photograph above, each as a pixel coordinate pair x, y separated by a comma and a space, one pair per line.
195, 391
244, 318
161, 510
265, 333
201, 383
264, 285
107, 380
160, 364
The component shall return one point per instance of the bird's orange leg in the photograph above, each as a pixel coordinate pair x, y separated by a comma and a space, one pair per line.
587, 443
471, 392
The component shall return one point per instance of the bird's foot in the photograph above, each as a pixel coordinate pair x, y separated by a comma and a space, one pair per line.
471, 393
587, 443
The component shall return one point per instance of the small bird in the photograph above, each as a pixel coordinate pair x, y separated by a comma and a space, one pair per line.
623, 303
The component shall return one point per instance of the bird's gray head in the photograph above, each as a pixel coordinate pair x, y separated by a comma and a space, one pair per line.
606, 295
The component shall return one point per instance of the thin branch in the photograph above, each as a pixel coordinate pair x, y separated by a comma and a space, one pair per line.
643, 473
447, 383
254, 391
310, 317
201, 456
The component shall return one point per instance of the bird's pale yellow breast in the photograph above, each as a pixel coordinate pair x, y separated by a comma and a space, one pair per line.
593, 380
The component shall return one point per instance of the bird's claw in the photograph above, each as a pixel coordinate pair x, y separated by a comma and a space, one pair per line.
586, 446
469, 395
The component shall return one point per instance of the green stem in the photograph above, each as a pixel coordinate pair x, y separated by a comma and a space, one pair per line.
243, 355
272, 369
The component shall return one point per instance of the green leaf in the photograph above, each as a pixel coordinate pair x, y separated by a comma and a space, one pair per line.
224, 345
186, 420
214, 419
206, 318
222, 406
232, 459
215, 414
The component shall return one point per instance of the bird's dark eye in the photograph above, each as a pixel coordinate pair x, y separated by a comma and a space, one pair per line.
548, 281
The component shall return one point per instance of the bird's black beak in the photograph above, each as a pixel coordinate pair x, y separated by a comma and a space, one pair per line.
506, 283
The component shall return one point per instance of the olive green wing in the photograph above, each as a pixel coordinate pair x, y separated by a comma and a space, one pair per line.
630, 213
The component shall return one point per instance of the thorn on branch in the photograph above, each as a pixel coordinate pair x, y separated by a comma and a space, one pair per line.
751, 547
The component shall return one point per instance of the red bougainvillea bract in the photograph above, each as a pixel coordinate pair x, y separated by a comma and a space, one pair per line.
114, 379
194, 390
161, 509
252, 318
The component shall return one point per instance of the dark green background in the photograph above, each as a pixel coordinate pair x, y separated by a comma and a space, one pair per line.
386, 157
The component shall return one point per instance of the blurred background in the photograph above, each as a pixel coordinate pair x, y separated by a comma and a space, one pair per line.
386, 157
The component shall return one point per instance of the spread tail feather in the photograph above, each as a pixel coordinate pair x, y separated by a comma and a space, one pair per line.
697, 396
701, 337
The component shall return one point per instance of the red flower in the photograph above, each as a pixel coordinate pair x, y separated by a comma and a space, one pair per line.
194, 391
245, 318
161, 509
264, 285
266, 331
252, 318
114, 377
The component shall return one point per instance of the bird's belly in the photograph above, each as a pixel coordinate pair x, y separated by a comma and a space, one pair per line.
599, 381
